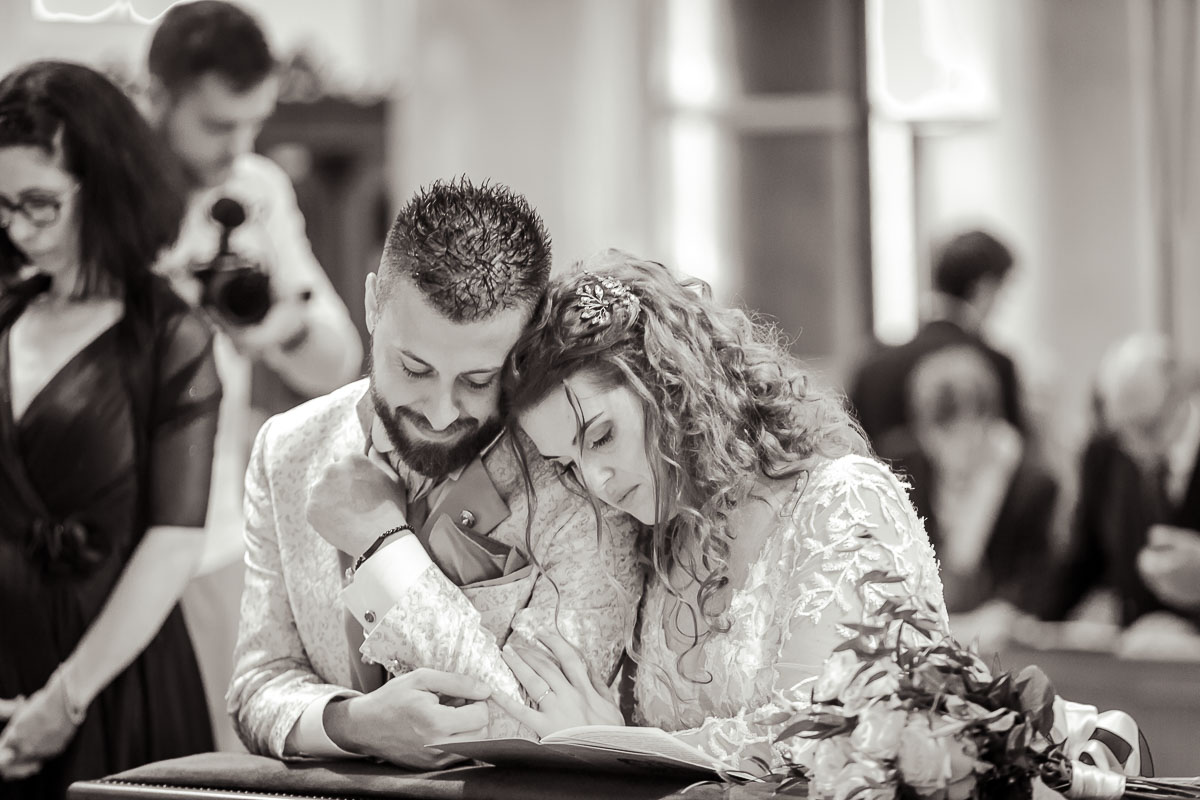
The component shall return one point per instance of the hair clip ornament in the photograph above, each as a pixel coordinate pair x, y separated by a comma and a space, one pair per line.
599, 297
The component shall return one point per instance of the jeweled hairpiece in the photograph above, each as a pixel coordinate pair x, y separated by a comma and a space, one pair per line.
598, 298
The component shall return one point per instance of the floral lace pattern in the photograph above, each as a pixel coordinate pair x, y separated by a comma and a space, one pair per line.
850, 518
584, 591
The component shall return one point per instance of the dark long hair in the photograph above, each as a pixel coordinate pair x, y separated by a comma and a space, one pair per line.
724, 403
131, 198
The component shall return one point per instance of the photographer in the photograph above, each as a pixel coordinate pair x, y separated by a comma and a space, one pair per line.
243, 258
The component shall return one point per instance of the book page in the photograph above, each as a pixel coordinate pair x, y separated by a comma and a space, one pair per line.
632, 740
598, 747
569, 756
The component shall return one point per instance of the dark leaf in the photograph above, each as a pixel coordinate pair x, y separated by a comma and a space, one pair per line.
798, 782
1037, 698
818, 726
775, 719
879, 576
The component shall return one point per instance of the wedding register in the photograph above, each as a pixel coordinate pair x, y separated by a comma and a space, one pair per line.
610, 748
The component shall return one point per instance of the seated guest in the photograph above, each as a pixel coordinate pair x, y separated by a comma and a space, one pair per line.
988, 502
761, 508
407, 474
108, 411
1139, 501
969, 272
1170, 566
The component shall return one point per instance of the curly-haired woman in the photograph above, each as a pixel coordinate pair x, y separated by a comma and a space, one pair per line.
761, 504
108, 409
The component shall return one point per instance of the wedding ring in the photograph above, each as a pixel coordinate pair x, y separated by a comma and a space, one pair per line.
538, 702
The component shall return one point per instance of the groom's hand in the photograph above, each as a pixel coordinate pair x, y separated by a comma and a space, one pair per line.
353, 502
397, 720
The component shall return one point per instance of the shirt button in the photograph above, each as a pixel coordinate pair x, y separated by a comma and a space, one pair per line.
467, 519
369, 617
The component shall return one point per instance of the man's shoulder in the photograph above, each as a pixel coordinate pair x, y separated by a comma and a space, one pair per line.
316, 424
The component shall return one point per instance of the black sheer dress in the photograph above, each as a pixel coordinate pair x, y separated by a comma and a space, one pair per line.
120, 440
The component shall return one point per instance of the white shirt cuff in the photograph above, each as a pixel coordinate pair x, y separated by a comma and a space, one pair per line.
384, 578
311, 740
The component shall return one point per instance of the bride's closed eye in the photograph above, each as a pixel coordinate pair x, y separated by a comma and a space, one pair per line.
602, 440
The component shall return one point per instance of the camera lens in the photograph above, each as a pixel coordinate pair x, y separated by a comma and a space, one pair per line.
245, 298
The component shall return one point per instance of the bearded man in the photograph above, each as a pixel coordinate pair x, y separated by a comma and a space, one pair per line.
410, 472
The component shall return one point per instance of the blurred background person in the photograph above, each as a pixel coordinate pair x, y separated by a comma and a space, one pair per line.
1170, 566
968, 274
213, 84
988, 501
108, 412
1138, 515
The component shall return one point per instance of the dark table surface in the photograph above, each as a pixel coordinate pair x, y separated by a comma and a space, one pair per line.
225, 776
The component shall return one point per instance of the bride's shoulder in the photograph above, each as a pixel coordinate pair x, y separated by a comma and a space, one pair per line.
853, 472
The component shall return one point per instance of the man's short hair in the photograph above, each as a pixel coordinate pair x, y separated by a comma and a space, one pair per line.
472, 251
967, 259
209, 36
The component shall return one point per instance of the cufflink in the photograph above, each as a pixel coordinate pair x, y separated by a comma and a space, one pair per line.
369, 617
467, 519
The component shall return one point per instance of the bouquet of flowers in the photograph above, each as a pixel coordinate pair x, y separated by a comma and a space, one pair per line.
902, 711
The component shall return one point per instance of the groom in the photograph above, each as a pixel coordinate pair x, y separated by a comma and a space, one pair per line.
407, 474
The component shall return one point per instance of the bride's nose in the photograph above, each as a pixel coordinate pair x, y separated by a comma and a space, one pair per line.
597, 475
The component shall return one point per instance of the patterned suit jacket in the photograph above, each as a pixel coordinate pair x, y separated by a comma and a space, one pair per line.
292, 644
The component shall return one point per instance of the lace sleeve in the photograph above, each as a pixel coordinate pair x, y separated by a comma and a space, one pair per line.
183, 420
853, 519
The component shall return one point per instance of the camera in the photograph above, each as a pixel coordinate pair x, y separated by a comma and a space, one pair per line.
235, 288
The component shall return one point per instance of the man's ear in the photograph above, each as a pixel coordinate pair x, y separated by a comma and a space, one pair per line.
371, 301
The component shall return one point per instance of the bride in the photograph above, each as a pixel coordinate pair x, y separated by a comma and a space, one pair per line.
762, 507
765, 521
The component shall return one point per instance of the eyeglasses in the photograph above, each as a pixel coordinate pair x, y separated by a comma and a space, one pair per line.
42, 212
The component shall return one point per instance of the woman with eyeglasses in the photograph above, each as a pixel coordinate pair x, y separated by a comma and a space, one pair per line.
108, 408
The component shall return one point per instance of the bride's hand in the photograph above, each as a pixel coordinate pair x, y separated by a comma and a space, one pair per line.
562, 694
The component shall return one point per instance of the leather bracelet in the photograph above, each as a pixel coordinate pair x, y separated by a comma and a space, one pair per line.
370, 551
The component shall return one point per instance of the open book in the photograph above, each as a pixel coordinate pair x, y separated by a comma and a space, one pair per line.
611, 748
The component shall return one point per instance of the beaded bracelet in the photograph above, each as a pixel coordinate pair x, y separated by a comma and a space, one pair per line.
370, 551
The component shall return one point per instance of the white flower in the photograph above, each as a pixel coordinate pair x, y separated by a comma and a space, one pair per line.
864, 772
880, 679
839, 669
877, 733
827, 762
923, 759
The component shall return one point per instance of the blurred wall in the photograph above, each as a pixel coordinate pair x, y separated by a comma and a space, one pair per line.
1061, 172
337, 33
554, 98
546, 96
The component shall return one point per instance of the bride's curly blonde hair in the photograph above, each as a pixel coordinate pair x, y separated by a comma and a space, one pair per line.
724, 403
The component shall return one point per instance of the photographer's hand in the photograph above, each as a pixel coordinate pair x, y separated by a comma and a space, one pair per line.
284, 330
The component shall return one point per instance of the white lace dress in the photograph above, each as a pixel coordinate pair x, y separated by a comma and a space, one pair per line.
851, 517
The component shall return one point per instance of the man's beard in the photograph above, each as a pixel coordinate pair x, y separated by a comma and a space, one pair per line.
433, 459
